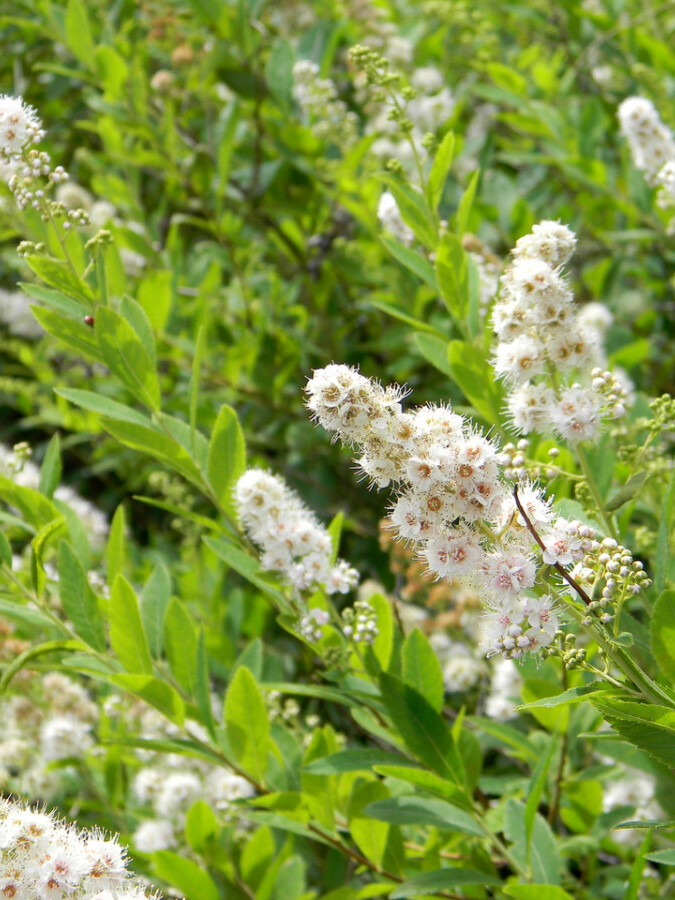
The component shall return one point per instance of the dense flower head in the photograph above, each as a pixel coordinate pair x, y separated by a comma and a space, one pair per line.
291, 540
651, 142
543, 341
42, 858
19, 125
451, 502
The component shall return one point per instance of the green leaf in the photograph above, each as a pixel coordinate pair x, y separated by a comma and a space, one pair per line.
665, 857
402, 316
155, 296
466, 205
331, 695
573, 695
115, 551
155, 692
412, 260
78, 600
630, 489
533, 689
157, 444
136, 316
353, 761
55, 300
473, 374
154, 601
180, 645
535, 791
369, 834
59, 275
434, 350
422, 670
50, 470
648, 726
25, 658
227, 456
279, 71
126, 631
422, 728
247, 724
440, 168
663, 555
247, 566
73, 334
430, 783
104, 406
189, 877
662, 628
536, 892
5, 550
126, 356
78, 32
200, 825
413, 211
441, 880
543, 857
424, 811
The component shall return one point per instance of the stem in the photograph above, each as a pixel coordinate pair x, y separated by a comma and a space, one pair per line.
555, 805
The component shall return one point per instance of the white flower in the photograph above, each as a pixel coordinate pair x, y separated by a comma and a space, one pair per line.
19, 125
455, 553
178, 792
508, 573
540, 613
153, 835
576, 415
64, 736
651, 143
563, 544
550, 241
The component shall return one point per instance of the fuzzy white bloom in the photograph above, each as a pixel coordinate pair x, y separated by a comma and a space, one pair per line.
451, 501
292, 541
636, 789
539, 332
224, 789
504, 693
16, 315
651, 143
64, 736
461, 670
153, 835
178, 792
390, 219
41, 859
19, 125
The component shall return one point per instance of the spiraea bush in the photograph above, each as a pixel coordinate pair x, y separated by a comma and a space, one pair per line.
336, 452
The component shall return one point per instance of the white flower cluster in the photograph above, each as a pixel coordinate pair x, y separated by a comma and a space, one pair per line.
637, 789
541, 340
16, 315
170, 783
652, 147
19, 126
462, 670
452, 502
318, 99
292, 541
651, 143
44, 859
390, 219
504, 693
51, 719
26, 474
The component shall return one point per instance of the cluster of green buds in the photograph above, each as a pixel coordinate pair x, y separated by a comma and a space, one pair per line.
614, 575
375, 67
29, 248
